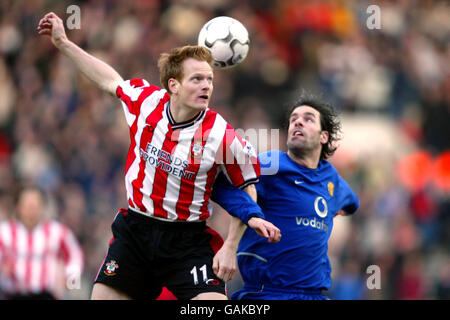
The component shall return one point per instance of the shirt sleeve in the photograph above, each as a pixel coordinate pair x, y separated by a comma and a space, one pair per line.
129, 92
348, 198
239, 161
235, 201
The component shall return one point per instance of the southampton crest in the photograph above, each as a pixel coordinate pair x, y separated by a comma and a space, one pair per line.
111, 268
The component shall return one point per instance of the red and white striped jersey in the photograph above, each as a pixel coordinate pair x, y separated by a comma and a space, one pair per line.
42, 259
171, 167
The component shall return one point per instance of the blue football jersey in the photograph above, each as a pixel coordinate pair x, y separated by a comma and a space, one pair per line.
301, 202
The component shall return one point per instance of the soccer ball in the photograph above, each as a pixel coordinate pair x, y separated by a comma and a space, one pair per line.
227, 40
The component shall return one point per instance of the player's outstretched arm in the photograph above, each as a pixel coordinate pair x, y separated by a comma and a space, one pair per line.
103, 75
224, 262
265, 229
262, 227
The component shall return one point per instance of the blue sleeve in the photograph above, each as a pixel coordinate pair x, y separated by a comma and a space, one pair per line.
234, 200
348, 198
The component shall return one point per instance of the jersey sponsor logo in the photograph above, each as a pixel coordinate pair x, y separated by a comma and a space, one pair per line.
167, 162
321, 207
298, 182
314, 223
111, 268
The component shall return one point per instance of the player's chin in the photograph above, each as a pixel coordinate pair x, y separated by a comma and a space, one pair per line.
294, 142
202, 104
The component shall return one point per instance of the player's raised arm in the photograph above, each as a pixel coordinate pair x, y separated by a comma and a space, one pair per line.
103, 75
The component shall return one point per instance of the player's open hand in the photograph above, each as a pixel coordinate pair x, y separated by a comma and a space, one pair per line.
265, 229
52, 26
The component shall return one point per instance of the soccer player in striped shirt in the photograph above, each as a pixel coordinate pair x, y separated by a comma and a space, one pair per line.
300, 192
39, 257
178, 146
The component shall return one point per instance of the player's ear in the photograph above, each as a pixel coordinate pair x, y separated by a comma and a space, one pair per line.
324, 135
173, 85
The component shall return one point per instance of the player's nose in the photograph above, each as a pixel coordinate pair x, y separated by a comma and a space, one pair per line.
298, 122
206, 85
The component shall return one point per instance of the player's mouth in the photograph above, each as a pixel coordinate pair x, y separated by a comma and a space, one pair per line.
204, 97
297, 133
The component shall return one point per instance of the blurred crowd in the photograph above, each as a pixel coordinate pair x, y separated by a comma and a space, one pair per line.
390, 85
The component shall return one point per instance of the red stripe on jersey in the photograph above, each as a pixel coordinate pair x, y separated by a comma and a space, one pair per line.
146, 136
64, 250
131, 156
125, 98
160, 180
187, 187
209, 183
29, 258
137, 82
13, 227
133, 107
130, 203
233, 170
43, 278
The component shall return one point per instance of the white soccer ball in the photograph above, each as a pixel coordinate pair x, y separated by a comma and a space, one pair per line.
227, 40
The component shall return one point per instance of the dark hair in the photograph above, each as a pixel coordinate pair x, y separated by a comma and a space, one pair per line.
329, 120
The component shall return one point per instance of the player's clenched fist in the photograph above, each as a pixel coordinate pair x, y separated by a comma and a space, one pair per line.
53, 26
265, 229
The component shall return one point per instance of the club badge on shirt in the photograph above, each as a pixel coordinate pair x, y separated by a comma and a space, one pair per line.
330, 188
111, 268
197, 150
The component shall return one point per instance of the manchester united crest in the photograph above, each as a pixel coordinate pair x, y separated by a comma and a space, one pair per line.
331, 188
111, 268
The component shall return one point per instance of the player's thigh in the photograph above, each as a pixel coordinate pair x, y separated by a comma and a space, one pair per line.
127, 267
210, 296
101, 291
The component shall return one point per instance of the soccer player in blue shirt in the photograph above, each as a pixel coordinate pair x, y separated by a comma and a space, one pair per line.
300, 192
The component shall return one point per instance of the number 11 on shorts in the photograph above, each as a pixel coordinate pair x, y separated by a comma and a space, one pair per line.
195, 273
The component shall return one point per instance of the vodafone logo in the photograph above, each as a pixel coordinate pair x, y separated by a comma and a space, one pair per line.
320, 206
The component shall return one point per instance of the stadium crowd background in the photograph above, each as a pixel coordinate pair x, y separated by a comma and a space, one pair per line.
391, 86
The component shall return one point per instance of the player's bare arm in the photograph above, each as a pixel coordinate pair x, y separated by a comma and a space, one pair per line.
262, 227
103, 75
224, 262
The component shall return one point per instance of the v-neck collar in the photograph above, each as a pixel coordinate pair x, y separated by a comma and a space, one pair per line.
180, 125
